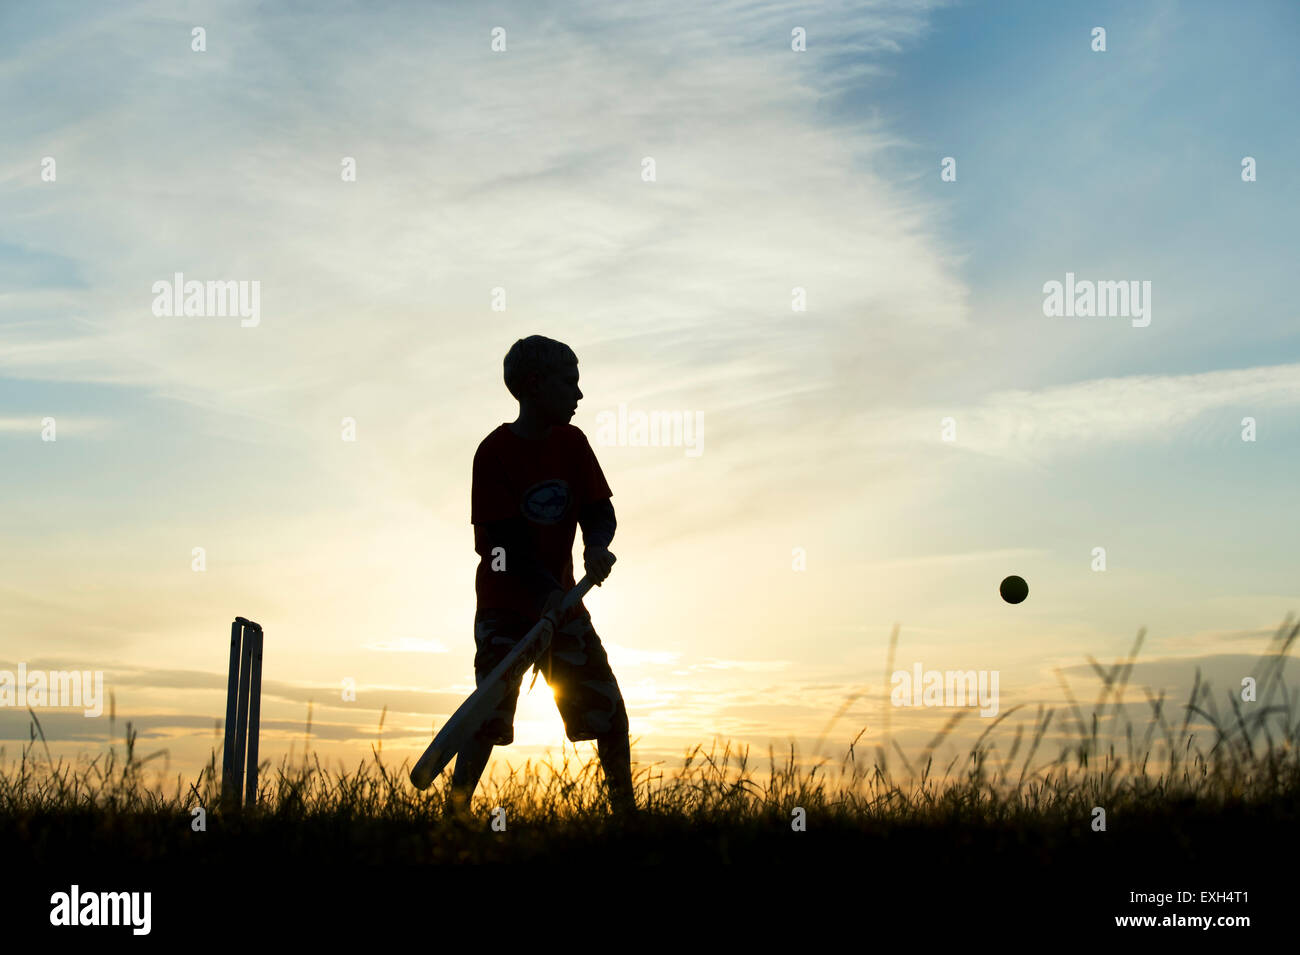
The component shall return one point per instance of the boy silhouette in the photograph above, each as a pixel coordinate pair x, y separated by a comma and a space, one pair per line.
535, 480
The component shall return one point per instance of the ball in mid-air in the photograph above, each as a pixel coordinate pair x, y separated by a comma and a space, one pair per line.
1014, 589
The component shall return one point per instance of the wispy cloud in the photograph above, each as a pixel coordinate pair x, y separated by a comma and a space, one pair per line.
746, 666
1007, 554
65, 425
633, 657
407, 645
1078, 417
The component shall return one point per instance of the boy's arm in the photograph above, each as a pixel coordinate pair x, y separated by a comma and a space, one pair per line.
597, 520
598, 524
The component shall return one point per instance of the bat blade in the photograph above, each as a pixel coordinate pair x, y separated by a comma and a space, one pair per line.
458, 731
471, 714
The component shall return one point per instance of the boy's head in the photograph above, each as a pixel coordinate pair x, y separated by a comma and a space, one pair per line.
543, 375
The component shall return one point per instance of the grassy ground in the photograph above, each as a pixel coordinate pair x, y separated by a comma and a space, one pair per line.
1194, 806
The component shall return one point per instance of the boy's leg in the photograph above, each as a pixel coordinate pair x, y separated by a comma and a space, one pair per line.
470, 763
592, 705
495, 634
616, 760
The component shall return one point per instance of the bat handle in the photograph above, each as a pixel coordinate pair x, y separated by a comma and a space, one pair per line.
579, 591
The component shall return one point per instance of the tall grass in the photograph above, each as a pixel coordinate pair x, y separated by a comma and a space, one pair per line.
1169, 765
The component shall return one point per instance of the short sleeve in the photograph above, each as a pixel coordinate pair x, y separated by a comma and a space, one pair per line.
490, 497
596, 488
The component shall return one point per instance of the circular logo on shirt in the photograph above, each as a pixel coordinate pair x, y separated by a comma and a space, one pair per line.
546, 502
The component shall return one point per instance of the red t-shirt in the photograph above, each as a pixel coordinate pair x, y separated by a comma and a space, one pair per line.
548, 481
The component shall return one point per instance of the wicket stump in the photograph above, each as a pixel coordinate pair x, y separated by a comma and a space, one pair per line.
243, 714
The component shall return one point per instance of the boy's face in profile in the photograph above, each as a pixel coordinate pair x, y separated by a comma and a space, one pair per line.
556, 395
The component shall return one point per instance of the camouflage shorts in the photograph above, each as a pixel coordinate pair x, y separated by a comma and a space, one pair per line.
575, 667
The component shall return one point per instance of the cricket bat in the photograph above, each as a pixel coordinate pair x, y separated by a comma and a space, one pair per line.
471, 714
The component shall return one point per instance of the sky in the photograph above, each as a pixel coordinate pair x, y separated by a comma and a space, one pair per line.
878, 450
